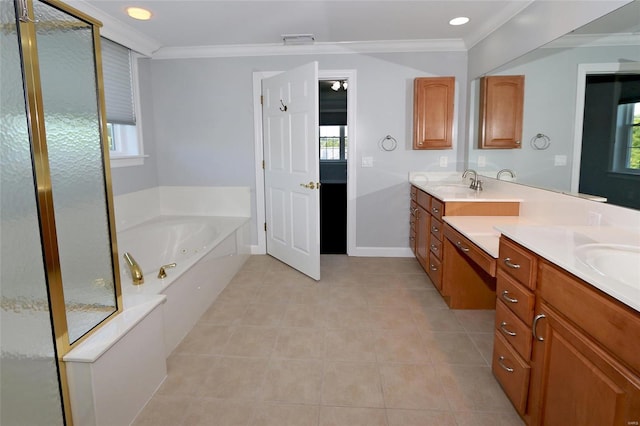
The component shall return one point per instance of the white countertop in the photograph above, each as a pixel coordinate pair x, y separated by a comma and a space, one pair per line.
561, 244
481, 229
456, 190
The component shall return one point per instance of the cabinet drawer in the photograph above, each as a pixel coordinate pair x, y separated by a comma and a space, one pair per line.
437, 208
423, 199
516, 297
413, 209
414, 193
469, 249
512, 372
435, 245
518, 262
436, 228
435, 271
514, 331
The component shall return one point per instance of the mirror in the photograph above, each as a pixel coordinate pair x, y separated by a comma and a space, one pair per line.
554, 103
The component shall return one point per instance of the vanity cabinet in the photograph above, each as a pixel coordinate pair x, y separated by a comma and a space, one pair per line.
501, 111
428, 241
586, 367
511, 363
433, 99
565, 353
468, 277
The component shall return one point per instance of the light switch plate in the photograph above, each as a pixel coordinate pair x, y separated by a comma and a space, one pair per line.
444, 161
367, 161
482, 161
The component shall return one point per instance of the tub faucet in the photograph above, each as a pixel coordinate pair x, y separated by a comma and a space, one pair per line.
162, 273
134, 268
511, 172
475, 183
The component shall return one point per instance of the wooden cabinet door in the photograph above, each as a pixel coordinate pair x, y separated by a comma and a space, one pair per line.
422, 236
433, 112
501, 108
575, 381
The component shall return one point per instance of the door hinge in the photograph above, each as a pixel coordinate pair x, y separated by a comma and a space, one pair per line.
265, 227
261, 100
262, 164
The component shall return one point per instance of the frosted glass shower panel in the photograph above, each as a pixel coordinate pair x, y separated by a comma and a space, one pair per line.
29, 390
70, 98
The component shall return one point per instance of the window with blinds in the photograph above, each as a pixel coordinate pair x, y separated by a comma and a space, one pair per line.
118, 74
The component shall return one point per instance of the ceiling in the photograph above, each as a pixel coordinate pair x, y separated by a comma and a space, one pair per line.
182, 23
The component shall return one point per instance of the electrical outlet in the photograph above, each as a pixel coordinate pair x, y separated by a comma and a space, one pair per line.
482, 161
443, 161
560, 160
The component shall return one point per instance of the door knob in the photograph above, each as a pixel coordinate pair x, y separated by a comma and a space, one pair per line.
311, 185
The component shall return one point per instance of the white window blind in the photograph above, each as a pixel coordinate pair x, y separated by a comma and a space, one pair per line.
118, 89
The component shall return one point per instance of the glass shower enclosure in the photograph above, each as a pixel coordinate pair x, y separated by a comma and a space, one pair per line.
59, 275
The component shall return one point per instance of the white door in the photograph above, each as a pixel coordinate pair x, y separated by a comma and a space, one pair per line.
291, 170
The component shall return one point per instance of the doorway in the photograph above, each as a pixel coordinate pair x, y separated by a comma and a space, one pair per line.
350, 77
333, 149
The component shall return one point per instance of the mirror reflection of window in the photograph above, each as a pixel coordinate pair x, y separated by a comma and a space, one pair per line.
628, 138
333, 142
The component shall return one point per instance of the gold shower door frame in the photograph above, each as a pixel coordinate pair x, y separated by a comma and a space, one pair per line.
42, 175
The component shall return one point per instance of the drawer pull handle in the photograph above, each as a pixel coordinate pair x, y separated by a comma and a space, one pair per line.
461, 247
434, 229
507, 261
507, 298
503, 327
435, 210
433, 267
412, 238
535, 324
504, 367
434, 247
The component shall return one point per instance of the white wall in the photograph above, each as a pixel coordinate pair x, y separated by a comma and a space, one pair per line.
538, 24
204, 136
137, 178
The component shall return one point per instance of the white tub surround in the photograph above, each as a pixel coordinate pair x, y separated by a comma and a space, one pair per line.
140, 206
114, 373
207, 251
561, 245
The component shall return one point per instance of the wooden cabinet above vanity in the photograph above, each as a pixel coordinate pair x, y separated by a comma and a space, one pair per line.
433, 99
501, 111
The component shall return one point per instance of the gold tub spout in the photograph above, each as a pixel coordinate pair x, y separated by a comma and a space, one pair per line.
136, 272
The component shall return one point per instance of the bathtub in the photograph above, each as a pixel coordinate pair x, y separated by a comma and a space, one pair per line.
132, 348
207, 251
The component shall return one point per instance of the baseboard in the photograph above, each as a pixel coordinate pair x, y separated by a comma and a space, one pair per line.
362, 251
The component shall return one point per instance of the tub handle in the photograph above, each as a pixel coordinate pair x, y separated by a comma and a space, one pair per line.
162, 273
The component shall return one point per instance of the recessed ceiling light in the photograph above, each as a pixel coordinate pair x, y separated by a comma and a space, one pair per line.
461, 20
139, 13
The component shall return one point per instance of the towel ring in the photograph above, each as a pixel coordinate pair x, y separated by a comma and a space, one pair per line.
540, 141
388, 143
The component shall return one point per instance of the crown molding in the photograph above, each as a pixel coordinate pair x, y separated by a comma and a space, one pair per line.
117, 31
226, 51
594, 40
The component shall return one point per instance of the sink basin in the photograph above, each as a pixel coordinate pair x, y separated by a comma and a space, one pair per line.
450, 187
617, 262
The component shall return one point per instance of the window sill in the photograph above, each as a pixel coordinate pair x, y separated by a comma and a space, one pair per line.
127, 161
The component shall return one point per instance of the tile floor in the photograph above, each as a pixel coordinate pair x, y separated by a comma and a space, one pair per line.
371, 344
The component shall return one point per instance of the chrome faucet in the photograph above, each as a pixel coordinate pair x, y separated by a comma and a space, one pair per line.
475, 183
134, 268
511, 172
